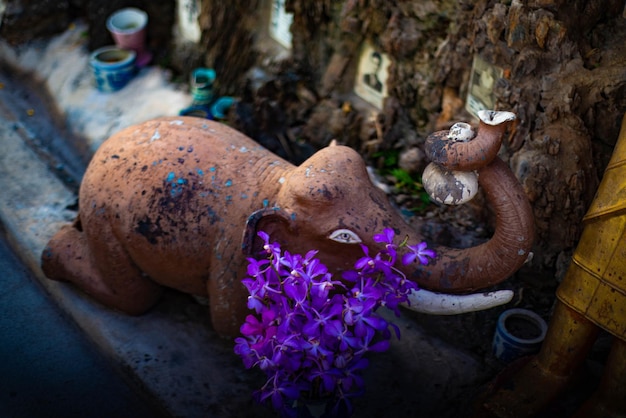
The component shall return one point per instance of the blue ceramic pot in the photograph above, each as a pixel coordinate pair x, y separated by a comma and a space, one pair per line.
112, 67
219, 109
519, 332
202, 80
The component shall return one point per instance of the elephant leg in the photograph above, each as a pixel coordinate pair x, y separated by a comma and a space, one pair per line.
228, 301
569, 339
112, 280
609, 401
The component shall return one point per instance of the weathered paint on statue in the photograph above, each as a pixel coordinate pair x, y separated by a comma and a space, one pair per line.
177, 202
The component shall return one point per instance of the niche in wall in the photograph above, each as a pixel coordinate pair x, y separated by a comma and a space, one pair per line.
280, 23
483, 78
370, 83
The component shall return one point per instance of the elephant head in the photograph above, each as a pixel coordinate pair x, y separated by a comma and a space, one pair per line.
328, 203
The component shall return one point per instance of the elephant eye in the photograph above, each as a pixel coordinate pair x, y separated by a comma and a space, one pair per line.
345, 236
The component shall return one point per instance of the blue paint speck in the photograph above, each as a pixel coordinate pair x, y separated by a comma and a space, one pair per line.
176, 184
244, 196
266, 203
213, 217
212, 169
200, 172
229, 183
293, 216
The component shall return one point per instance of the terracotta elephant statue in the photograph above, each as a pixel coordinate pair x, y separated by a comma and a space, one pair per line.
177, 202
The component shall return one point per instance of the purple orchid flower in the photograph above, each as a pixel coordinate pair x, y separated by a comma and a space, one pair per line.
310, 334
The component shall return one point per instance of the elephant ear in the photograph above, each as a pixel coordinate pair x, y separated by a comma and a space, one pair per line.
273, 221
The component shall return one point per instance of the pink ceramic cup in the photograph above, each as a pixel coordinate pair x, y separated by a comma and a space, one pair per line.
128, 28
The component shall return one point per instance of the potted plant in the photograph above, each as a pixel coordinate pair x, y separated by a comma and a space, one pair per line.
311, 333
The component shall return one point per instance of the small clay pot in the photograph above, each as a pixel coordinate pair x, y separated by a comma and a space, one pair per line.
128, 29
519, 332
112, 67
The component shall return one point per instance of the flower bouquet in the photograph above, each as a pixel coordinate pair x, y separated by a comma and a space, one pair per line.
310, 333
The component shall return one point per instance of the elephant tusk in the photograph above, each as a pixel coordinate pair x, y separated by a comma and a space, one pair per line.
424, 301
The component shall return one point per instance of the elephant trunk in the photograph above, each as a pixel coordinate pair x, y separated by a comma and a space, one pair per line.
464, 270
457, 150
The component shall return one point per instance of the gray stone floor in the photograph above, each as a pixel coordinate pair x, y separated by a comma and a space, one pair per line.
48, 367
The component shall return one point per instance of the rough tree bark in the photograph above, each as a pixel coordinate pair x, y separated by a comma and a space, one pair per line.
563, 76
